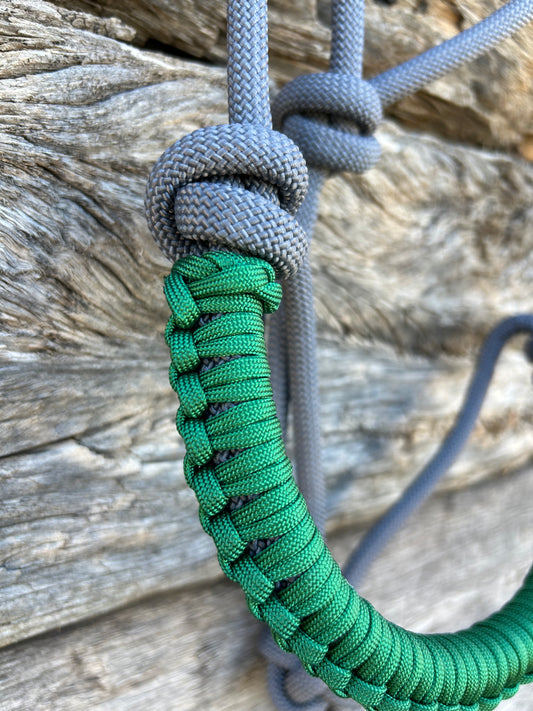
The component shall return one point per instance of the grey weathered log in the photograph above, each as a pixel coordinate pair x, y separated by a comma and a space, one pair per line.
462, 557
413, 263
489, 102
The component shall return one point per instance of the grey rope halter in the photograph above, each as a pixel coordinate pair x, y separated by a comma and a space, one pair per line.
242, 187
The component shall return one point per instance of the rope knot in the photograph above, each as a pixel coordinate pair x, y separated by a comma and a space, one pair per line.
318, 111
235, 187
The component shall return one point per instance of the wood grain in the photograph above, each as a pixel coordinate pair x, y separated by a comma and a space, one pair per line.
457, 561
488, 102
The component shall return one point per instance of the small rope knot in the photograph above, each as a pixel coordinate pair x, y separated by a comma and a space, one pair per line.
234, 187
333, 103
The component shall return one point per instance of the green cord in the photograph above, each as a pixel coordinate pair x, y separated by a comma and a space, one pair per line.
267, 541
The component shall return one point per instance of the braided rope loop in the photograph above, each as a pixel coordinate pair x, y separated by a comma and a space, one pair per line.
266, 538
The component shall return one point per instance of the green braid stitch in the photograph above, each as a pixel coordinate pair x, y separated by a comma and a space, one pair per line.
268, 543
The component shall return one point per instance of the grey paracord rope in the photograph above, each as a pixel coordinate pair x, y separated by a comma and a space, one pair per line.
342, 95
377, 537
199, 195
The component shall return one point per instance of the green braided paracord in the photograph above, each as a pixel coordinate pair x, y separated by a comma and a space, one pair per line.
266, 539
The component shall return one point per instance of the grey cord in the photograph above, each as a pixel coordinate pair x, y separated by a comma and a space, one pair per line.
418, 491
288, 682
242, 187
410, 76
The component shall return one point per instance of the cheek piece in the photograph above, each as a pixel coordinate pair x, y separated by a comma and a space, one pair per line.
234, 207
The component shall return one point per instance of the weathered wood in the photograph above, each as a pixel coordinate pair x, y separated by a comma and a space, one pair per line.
95, 513
458, 560
489, 102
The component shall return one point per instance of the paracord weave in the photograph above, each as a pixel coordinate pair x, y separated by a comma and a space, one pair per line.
270, 545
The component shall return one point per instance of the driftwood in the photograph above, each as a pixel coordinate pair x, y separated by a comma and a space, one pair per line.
413, 262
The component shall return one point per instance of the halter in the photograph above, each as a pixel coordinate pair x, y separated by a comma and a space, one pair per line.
235, 207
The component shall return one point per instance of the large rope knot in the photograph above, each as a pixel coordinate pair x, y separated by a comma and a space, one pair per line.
318, 111
235, 187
